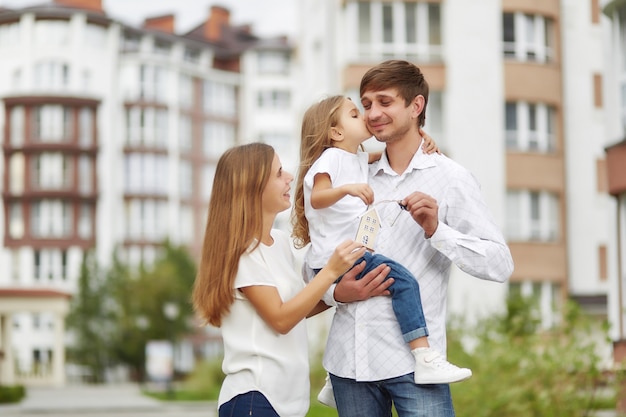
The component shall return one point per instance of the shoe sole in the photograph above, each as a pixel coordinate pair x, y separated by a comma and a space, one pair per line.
434, 381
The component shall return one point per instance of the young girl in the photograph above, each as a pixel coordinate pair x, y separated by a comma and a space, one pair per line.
331, 195
248, 285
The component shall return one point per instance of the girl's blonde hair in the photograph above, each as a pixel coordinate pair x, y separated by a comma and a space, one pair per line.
315, 138
234, 226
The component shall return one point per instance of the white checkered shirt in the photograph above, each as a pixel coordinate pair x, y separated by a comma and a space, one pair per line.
365, 342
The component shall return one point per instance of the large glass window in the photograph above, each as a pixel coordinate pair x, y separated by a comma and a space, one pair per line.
152, 83
52, 75
86, 128
51, 219
530, 127
397, 29
532, 216
146, 173
52, 123
527, 37
146, 219
219, 98
147, 126
52, 171
16, 221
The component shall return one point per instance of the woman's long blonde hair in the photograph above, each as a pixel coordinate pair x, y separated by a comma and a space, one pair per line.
314, 139
234, 225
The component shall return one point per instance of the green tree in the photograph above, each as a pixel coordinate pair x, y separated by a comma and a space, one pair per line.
521, 369
140, 298
89, 322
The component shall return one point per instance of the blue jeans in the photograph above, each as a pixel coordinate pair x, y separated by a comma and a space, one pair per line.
251, 403
374, 399
405, 295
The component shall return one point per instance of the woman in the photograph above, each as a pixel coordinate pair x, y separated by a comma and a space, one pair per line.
248, 285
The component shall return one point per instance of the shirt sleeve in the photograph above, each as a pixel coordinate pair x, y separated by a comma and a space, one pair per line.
253, 271
468, 236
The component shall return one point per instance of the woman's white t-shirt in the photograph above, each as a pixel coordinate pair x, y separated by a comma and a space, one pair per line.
257, 358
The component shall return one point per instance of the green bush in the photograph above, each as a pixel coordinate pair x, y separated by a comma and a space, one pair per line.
11, 393
205, 381
521, 369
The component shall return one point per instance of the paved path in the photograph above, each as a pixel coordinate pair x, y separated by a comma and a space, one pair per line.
125, 400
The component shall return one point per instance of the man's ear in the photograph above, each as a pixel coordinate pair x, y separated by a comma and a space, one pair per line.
417, 106
336, 134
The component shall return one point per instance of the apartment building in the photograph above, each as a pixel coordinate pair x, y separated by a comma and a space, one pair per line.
110, 136
519, 95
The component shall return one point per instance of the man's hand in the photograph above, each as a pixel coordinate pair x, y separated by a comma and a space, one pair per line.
350, 289
424, 210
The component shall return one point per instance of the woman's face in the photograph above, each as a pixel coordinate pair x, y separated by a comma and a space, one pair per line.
276, 196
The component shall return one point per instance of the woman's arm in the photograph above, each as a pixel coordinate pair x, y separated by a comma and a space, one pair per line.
281, 315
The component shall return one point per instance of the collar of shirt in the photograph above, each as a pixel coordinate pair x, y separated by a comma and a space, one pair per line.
419, 161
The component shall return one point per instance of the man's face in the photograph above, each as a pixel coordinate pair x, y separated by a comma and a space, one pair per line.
386, 115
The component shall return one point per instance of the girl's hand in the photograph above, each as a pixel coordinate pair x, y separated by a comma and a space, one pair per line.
428, 146
344, 256
362, 191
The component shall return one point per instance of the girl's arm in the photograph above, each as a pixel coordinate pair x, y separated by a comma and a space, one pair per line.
281, 315
323, 194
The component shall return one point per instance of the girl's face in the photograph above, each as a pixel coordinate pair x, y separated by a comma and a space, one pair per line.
352, 125
276, 196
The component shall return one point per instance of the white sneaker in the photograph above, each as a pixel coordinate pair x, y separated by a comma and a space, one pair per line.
326, 395
432, 368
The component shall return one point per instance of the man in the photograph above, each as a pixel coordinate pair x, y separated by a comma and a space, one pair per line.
447, 222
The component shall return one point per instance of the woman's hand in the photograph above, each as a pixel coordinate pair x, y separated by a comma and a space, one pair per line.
344, 256
428, 146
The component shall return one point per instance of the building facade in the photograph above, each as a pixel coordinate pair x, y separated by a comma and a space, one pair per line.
110, 136
522, 99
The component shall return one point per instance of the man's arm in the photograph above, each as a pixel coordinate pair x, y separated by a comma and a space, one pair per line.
468, 235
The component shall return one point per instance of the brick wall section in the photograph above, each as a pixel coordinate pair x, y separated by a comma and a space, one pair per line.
163, 23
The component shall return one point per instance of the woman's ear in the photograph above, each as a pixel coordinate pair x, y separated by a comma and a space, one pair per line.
336, 134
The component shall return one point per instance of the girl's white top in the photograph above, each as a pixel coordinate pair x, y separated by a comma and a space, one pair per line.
257, 358
330, 226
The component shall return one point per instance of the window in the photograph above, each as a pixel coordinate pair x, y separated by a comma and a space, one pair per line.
9, 34
185, 177
52, 75
191, 55
52, 171
131, 42
52, 123
528, 37
185, 92
85, 174
217, 138
50, 264
530, 127
162, 47
146, 219
186, 224
16, 221
147, 127
17, 173
146, 173
86, 128
51, 219
208, 173
532, 216
152, 83
282, 142
184, 134
274, 99
273, 62
85, 221
219, 98
396, 29
17, 126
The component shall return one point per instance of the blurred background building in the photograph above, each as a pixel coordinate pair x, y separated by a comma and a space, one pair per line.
110, 135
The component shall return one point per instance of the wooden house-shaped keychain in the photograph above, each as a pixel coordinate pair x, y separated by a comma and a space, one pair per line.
369, 226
